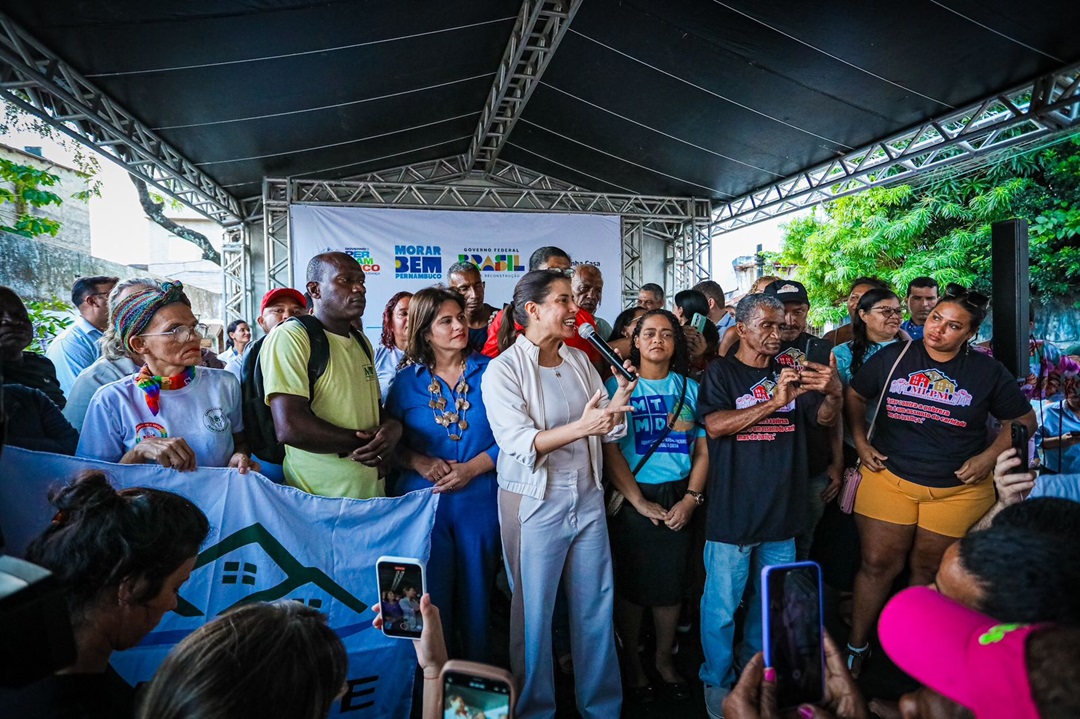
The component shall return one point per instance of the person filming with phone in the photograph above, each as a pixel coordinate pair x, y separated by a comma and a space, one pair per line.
549, 413
756, 414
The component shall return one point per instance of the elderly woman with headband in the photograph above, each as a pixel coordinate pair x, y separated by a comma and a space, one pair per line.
171, 411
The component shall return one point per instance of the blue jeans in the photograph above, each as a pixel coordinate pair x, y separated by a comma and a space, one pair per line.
727, 568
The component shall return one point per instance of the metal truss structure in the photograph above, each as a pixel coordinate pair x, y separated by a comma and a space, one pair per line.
538, 30
513, 189
35, 79
690, 259
449, 170
235, 271
1049, 104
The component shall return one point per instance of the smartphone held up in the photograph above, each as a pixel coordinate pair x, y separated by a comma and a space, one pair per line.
470, 689
792, 628
401, 583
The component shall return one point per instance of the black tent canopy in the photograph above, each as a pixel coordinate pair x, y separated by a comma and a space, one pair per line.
702, 98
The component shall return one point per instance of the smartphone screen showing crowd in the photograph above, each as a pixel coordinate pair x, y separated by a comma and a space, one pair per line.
401, 584
477, 690
792, 627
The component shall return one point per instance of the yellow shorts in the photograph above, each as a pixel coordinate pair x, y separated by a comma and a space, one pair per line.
950, 511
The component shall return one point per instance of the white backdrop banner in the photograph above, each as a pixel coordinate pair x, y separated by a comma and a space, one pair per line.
267, 542
412, 249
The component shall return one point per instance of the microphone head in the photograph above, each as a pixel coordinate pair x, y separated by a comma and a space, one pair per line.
585, 331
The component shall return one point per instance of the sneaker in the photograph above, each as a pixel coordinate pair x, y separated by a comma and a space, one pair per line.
714, 701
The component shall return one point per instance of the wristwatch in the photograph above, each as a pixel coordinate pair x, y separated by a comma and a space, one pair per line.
696, 496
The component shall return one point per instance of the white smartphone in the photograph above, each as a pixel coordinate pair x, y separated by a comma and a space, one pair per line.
401, 582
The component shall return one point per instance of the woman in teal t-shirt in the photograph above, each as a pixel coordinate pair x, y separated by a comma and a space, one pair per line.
660, 469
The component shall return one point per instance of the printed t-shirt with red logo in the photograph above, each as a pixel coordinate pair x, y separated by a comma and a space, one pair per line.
757, 485
933, 418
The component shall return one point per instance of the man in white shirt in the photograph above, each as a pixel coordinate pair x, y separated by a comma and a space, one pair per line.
76, 348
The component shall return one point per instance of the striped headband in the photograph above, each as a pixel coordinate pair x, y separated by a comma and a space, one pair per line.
134, 312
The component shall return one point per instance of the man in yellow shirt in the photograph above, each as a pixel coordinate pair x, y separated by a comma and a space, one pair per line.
335, 440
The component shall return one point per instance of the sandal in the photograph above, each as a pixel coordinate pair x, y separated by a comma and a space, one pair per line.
856, 658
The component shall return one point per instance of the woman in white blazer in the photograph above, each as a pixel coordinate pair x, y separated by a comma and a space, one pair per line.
549, 413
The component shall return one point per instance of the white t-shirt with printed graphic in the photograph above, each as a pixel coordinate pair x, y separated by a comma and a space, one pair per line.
206, 413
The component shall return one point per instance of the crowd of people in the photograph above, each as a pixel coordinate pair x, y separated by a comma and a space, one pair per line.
728, 445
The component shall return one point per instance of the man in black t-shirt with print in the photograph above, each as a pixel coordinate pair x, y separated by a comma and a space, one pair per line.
824, 445
756, 414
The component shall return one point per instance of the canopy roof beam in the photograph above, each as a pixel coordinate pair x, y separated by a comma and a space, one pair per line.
35, 79
538, 30
1046, 105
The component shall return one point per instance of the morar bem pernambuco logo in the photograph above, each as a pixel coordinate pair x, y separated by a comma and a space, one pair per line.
933, 385
417, 262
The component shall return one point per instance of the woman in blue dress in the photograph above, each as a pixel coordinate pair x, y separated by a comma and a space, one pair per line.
448, 443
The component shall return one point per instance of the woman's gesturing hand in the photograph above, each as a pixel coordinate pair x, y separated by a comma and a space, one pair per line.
597, 420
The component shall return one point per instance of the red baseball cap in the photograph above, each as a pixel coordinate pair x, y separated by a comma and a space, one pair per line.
274, 295
961, 654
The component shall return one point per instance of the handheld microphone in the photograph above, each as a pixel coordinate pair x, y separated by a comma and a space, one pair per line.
588, 333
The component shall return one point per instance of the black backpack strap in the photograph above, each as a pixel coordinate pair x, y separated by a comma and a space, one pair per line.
320, 349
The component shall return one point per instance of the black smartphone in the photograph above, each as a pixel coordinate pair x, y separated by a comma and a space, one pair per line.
470, 689
401, 583
791, 624
1020, 444
818, 350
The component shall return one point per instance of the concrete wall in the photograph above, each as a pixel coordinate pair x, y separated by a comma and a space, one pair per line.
39, 270
73, 215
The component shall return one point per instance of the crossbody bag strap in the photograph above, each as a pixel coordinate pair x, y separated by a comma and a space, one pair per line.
667, 429
885, 390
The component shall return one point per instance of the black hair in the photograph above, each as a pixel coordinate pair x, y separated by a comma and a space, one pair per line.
542, 255
691, 301
101, 537
618, 329
872, 281
232, 328
259, 660
1052, 659
534, 286
86, 286
680, 360
971, 301
921, 283
860, 340
654, 289
1054, 516
1025, 575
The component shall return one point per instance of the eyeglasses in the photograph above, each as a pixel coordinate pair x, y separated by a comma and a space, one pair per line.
568, 272
182, 333
888, 312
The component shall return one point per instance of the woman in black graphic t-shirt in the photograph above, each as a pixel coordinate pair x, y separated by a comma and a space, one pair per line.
925, 475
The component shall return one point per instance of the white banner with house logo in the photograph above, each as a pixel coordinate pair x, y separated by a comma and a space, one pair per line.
412, 249
266, 542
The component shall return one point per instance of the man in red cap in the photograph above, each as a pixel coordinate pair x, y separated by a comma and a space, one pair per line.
277, 306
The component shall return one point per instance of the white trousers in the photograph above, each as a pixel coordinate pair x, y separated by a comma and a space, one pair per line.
563, 536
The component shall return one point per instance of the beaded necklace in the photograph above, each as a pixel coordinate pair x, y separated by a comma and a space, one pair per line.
438, 404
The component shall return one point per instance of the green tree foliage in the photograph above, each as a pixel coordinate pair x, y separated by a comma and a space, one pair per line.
28, 190
941, 228
50, 317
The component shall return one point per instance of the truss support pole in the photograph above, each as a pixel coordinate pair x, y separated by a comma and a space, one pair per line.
277, 247
35, 79
236, 274
1024, 114
538, 30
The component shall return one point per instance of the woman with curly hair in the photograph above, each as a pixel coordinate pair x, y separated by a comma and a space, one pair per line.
660, 468
395, 334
